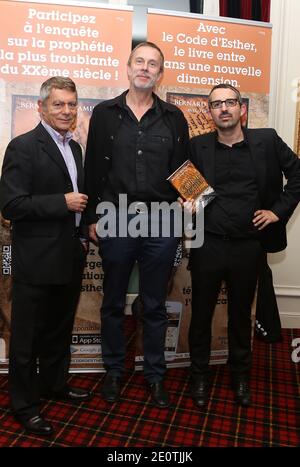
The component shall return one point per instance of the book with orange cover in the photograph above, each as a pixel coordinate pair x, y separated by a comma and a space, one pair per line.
191, 185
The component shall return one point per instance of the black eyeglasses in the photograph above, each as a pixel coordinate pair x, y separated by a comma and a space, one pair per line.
227, 102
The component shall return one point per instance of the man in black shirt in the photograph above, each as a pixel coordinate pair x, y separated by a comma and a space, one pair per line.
247, 218
135, 142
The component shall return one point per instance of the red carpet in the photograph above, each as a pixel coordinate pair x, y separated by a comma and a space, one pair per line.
273, 420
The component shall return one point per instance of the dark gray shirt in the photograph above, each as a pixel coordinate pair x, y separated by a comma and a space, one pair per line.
232, 211
142, 152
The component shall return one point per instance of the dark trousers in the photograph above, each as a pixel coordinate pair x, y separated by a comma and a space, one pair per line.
41, 326
155, 258
236, 262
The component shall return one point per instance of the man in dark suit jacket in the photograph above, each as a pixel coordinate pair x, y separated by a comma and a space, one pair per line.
40, 192
247, 218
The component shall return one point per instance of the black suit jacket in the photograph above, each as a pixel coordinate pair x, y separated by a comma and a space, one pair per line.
272, 159
33, 183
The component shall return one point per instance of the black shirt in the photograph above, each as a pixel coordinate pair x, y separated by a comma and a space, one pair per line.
231, 212
142, 151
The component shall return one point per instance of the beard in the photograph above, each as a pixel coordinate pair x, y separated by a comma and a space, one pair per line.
229, 124
145, 85
135, 78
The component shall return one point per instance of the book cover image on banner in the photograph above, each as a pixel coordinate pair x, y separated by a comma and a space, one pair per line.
69, 40
196, 111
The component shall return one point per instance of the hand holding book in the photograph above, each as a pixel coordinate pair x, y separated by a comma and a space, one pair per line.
191, 185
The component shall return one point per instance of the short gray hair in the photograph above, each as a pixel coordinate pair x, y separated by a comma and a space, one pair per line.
153, 46
56, 82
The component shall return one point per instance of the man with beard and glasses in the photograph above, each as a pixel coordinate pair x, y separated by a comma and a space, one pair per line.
135, 142
247, 218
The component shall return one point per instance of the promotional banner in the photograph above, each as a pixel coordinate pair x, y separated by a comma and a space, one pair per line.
45, 40
40, 40
90, 43
201, 52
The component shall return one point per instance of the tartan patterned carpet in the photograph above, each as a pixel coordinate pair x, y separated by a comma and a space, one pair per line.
273, 420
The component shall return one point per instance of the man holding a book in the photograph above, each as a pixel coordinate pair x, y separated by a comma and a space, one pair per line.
248, 217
